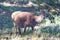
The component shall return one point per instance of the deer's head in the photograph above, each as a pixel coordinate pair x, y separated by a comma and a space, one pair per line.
39, 18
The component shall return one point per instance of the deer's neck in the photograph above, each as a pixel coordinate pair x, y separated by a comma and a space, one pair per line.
39, 18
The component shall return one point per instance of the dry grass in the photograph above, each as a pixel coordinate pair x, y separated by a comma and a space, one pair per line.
36, 35
18, 37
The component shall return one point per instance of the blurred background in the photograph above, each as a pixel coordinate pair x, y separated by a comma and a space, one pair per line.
49, 28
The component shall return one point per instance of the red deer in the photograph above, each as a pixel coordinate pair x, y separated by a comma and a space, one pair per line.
24, 19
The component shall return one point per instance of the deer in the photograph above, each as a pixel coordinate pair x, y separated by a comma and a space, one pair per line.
26, 19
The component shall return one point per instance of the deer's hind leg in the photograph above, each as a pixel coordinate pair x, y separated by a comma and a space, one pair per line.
19, 29
14, 28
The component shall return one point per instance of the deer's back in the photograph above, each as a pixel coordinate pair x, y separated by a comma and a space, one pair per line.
22, 18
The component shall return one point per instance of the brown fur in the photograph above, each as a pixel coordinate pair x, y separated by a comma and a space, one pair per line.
24, 19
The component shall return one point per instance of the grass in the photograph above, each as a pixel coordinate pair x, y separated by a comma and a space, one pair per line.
45, 30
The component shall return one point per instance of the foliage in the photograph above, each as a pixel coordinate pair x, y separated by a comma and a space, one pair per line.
37, 1
6, 22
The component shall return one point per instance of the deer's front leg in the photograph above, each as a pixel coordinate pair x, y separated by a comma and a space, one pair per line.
25, 28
